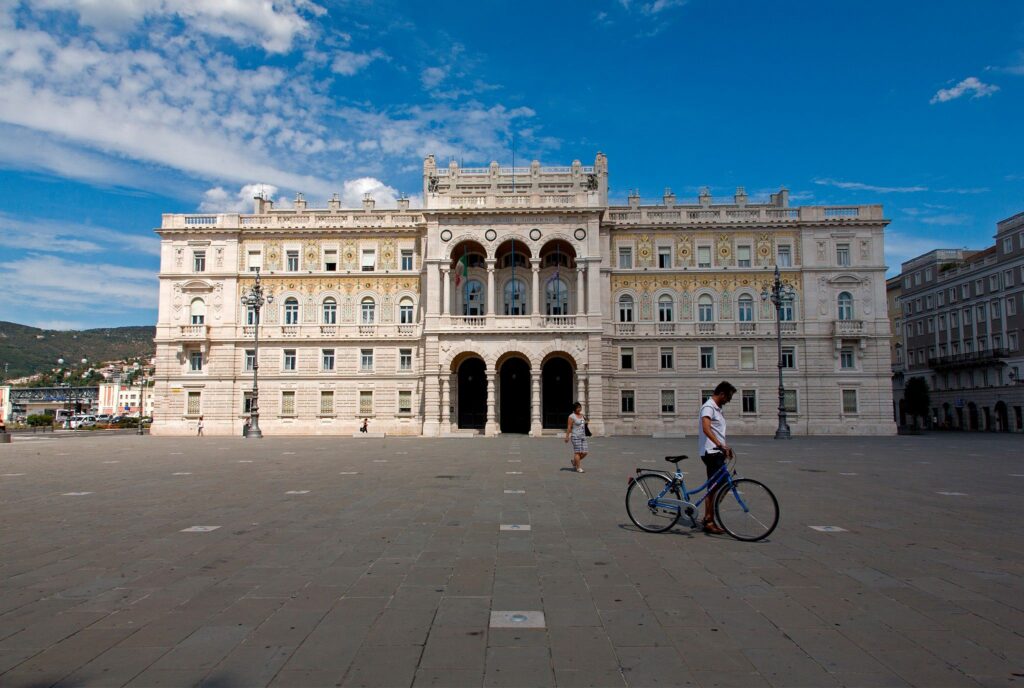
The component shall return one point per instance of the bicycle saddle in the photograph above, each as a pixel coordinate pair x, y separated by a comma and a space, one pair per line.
676, 459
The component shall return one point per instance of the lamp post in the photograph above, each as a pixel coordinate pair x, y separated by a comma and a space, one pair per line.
780, 295
68, 386
254, 299
140, 372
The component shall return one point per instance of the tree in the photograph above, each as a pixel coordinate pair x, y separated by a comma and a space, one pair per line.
917, 398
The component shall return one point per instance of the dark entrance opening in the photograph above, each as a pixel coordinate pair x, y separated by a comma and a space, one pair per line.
972, 415
472, 394
1002, 417
515, 395
556, 386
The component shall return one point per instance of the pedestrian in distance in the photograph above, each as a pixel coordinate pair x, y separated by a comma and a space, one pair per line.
576, 431
199, 426
365, 427
3, 425
712, 447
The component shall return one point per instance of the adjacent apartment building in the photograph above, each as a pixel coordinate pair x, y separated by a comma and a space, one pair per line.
514, 292
962, 325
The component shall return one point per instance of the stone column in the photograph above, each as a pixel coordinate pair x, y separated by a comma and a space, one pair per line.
580, 289
535, 264
490, 288
581, 389
445, 405
491, 428
535, 424
431, 397
446, 297
594, 287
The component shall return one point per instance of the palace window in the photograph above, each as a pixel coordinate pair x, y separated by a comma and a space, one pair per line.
626, 308
330, 311
668, 401
846, 358
789, 401
626, 358
404, 401
845, 303
195, 361
627, 401
193, 407
288, 403
743, 256
291, 311
326, 402
330, 260
197, 312
327, 359
703, 256
666, 308
749, 397
368, 261
745, 308
405, 359
199, 261
747, 358
250, 360
515, 297
556, 297
365, 403
366, 360
367, 311
707, 358
292, 261
665, 257
849, 401
667, 358
788, 357
625, 257
705, 308
405, 312
250, 315
289, 360
785, 256
255, 261
474, 298
406, 259
843, 255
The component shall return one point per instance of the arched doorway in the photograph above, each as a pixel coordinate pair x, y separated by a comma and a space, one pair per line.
972, 415
903, 412
514, 395
1002, 417
556, 392
472, 394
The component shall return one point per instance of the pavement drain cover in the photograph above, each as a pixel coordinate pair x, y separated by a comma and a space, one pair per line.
349, 473
199, 529
181, 474
828, 529
517, 619
75, 494
515, 491
111, 462
380, 460
514, 526
297, 492
513, 472
245, 461
953, 494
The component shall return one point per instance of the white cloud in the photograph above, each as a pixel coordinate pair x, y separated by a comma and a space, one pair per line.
901, 247
273, 25
80, 285
660, 6
348, 63
431, 77
352, 193
971, 85
946, 219
53, 236
219, 200
859, 186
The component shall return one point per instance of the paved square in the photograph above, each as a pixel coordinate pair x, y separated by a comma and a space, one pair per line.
391, 574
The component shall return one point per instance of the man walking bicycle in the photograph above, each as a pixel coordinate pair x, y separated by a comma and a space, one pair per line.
712, 447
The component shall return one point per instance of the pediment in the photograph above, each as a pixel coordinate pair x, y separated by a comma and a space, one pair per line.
196, 286
845, 280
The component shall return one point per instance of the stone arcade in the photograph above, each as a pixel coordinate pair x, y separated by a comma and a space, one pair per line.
513, 293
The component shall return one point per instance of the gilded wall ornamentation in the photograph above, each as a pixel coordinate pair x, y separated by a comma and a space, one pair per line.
645, 251
724, 249
349, 256
272, 254
645, 305
387, 310
684, 251
685, 305
311, 255
765, 249
726, 305
717, 282
387, 255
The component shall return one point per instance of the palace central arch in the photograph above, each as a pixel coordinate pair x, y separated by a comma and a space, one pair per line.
472, 411
514, 395
556, 392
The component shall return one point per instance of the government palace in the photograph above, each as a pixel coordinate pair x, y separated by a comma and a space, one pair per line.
511, 294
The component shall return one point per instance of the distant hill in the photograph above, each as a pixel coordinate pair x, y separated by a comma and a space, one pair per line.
29, 350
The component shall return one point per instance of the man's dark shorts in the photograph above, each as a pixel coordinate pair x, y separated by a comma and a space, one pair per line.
713, 461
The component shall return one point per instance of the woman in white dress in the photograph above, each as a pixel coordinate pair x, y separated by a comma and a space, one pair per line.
577, 432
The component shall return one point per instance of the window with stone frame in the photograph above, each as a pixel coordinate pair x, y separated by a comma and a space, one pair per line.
703, 256
626, 357
849, 401
789, 401
326, 402
195, 361
843, 255
330, 260
784, 256
405, 359
250, 360
404, 401
667, 358
288, 403
199, 261
327, 360
193, 408
707, 358
846, 358
365, 403
788, 357
747, 360
743, 253
406, 259
290, 360
668, 401
665, 257
627, 401
366, 360
749, 400
292, 261
625, 257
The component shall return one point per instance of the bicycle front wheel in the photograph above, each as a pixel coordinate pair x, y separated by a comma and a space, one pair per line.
748, 510
653, 519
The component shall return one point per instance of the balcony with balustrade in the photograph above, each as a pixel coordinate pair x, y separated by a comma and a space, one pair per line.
339, 331
195, 331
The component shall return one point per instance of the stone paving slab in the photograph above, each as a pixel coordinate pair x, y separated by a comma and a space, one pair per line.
387, 573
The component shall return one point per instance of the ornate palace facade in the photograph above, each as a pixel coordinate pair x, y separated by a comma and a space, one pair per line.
513, 293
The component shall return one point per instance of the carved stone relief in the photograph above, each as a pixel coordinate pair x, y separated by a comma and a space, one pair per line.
822, 253
684, 251
387, 255
309, 312
823, 296
349, 255
726, 306
218, 299
176, 301
865, 299
348, 309
272, 253
218, 257
645, 305
179, 257
387, 309
685, 306
865, 250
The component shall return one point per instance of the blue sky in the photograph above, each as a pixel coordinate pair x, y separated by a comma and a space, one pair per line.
117, 111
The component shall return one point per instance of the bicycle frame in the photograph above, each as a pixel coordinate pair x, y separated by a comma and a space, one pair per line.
720, 478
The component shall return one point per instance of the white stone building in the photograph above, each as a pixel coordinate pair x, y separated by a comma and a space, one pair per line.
513, 293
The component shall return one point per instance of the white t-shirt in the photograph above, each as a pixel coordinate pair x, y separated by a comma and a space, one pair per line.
713, 411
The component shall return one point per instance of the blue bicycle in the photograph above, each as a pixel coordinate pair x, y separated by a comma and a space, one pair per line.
744, 508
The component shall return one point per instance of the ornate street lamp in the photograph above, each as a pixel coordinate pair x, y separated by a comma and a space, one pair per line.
780, 295
140, 373
254, 299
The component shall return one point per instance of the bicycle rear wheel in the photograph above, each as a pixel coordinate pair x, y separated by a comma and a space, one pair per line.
748, 510
653, 519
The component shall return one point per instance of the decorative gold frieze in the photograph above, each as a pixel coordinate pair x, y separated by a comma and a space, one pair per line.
644, 251
717, 282
348, 285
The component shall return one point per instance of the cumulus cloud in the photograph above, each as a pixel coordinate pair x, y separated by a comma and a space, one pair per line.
272, 25
219, 200
46, 235
971, 85
352, 193
348, 63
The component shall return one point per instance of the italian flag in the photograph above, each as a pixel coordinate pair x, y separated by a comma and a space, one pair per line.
462, 269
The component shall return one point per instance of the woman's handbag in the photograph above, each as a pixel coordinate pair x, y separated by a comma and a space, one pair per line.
586, 430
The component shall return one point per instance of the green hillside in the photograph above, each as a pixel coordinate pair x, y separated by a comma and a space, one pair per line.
29, 350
